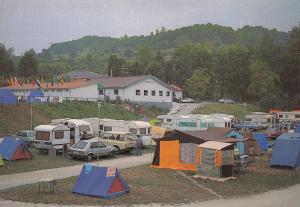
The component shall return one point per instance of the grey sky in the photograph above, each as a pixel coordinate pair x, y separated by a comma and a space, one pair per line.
26, 24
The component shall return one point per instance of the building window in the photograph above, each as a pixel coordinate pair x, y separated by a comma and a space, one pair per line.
145, 92
174, 93
168, 93
101, 92
138, 92
153, 93
116, 92
160, 93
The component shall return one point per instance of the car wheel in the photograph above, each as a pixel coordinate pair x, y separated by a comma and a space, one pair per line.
90, 157
118, 148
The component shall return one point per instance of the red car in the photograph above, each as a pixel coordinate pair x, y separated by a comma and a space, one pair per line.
273, 133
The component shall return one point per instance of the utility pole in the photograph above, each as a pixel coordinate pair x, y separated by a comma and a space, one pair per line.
98, 128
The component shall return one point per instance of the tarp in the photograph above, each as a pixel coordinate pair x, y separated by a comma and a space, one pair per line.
262, 140
14, 149
102, 182
155, 122
286, 150
1, 161
241, 141
7, 96
158, 132
36, 96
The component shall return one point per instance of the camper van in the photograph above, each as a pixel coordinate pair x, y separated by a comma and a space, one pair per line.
85, 128
193, 122
136, 127
55, 136
262, 119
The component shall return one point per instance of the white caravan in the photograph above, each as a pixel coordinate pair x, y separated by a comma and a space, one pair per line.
55, 136
136, 127
85, 128
263, 119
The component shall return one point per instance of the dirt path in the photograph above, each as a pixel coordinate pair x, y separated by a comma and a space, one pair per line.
8, 181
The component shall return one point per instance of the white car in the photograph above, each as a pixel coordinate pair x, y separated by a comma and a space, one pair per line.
226, 100
187, 100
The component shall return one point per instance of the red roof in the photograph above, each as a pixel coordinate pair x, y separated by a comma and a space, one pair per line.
49, 86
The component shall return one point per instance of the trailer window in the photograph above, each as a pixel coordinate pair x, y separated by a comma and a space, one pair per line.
43, 135
134, 131
107, 129
59, 135
188, 124
84, 128
142, 130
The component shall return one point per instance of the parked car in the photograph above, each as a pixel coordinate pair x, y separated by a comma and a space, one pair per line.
246, 125
187, 100
91, 148
27, 135
122, 141
273, 133
226, 100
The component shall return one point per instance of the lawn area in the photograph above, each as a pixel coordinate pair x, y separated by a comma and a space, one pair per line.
259, 178
43, 161
234, 109
147, 185
38, 162
17, 117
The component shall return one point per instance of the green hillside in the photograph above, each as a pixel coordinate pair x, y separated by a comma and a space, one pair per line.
238, 110
17, 117
166, 39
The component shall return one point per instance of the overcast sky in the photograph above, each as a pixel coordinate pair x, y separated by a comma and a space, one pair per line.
26, 24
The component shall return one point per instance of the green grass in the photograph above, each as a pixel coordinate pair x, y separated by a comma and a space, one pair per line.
147, 185
17, 117
238, 110
43, 161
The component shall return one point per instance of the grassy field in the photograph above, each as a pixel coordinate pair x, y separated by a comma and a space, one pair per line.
259, 178
17, 117
43, 161
147, 185
238, 110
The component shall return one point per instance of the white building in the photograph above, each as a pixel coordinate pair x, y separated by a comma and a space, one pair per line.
145, 90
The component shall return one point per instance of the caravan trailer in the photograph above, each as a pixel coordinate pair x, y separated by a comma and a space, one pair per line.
85, 128
55, 136
262, 119
136, 127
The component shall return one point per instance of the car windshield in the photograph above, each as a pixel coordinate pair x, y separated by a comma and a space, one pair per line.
30, 134
80, 145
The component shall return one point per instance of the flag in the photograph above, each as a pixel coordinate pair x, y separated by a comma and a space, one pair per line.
16, 81
38, 83
12, 83
32, 81
42, 81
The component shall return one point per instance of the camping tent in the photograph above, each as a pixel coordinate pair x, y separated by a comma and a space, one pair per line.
177, 149
36, 96
14, 149
103, 182
261, 139
286, 150
155, 122
158, 132
1, 161
7, 96
215, 159
245, 140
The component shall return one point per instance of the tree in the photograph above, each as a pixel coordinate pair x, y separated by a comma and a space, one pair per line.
196, 85
145, 56
114, 65
156, 69
263, 83
7, 66
28, 64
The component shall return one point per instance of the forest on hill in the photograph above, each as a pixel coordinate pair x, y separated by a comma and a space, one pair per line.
250, 64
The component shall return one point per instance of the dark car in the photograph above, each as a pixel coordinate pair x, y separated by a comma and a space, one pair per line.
273, 133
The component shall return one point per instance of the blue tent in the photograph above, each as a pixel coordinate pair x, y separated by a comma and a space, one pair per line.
103, 182
35, 96
262, 140
14, 149
241, 142
297, 128
7, 96
286, 150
